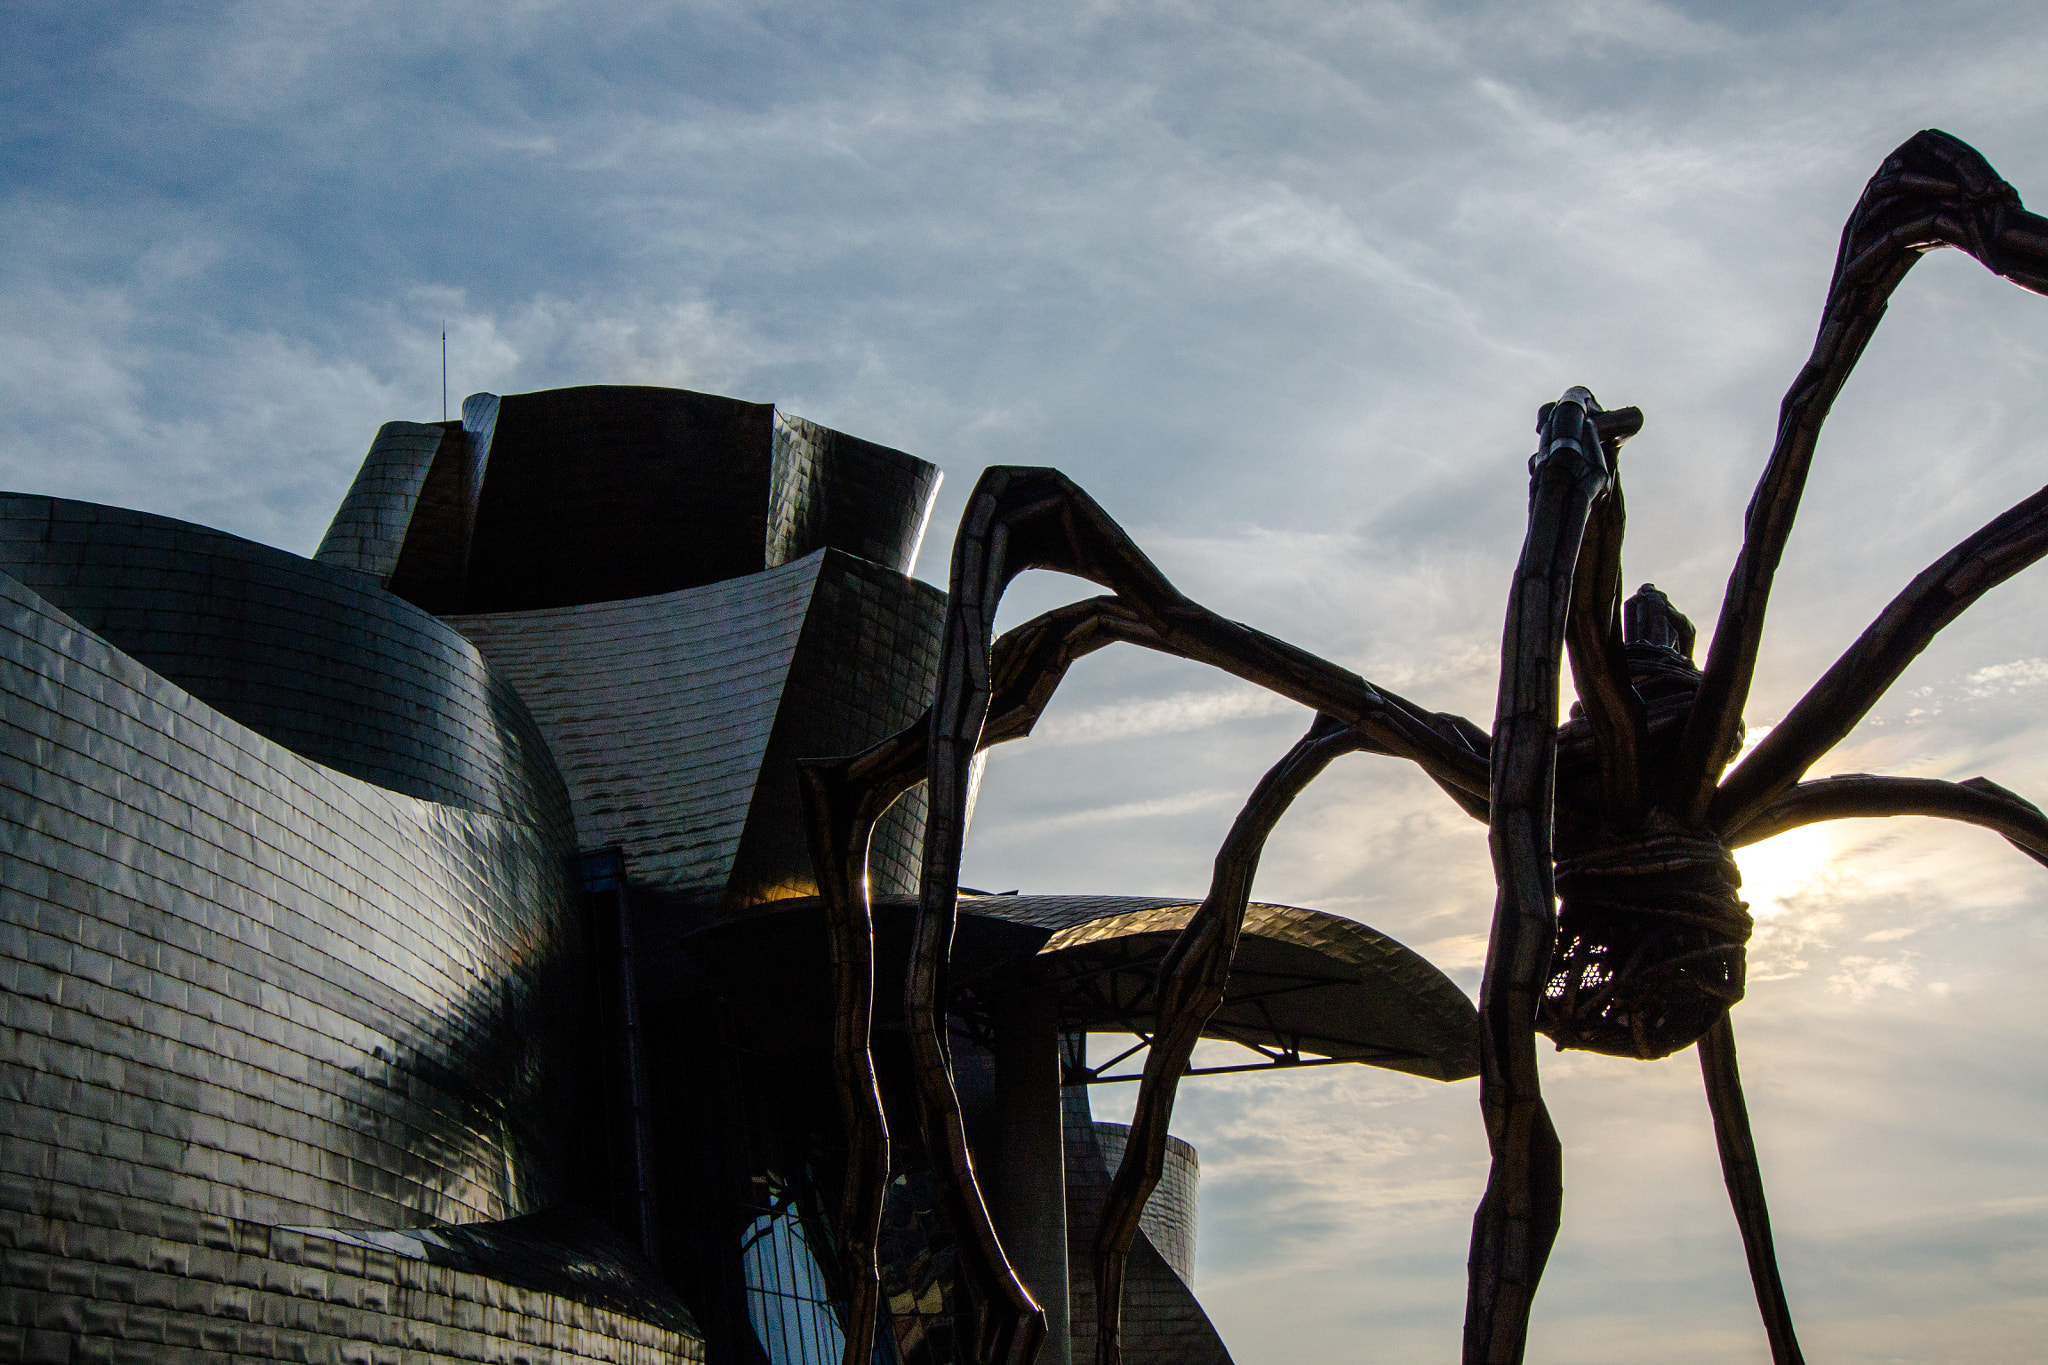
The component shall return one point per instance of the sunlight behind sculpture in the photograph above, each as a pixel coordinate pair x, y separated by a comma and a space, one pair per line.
1623, 813
544, 903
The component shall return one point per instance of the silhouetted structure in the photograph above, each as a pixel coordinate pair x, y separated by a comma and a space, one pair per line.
534, 926
1617, 927
417, 949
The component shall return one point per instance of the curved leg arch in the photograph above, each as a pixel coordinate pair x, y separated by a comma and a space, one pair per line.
1192, 982
1934, 191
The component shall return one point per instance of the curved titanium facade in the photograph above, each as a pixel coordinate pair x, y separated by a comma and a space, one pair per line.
316, 658
316, 1050
826, 488
1163, 1324
368, 532
1168, 1221
1306, 983
596, 494
678, 719
246, 992
1303, 982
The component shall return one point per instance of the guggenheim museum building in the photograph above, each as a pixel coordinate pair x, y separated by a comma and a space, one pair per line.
412, 953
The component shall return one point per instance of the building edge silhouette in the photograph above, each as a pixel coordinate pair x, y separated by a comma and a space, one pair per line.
412, 951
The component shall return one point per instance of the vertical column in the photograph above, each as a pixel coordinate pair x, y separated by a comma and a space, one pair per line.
1029, 1179
604, 874
480, 424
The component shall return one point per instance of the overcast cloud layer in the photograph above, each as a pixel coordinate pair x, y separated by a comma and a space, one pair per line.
1283, 286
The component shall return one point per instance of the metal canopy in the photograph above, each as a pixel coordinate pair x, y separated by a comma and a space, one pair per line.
1307, 987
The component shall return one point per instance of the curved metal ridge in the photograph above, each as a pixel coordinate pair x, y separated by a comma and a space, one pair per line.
1444, 1042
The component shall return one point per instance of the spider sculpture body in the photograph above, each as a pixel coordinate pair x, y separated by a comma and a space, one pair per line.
1618, 925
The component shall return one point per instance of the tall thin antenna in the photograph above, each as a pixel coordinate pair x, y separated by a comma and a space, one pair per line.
444, 371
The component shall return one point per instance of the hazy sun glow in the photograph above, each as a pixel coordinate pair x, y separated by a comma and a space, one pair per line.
1281, 287
1795, 866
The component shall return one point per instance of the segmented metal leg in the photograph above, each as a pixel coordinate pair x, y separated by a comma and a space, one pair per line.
1192, 981
2009, 543
1934, 191
839, 822
1746, 1186
843, 798
1021, 519
1518, 1218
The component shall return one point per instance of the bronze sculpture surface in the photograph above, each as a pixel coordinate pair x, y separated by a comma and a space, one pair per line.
1617, 924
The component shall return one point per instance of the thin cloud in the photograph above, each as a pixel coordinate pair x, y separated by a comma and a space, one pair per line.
1282, 287
1013, 831
1181, 713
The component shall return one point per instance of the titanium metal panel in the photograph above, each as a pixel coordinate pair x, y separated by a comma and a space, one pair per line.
608, 492
612, 491
1169, 1217
369, 528
659, 711
1163, 1324
243, 991
1303, 979
317, 658
677, 719
202, 1291
432, 569
830, 489
246, 986
865, 668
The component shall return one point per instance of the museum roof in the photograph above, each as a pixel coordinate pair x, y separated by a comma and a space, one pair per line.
1306, 987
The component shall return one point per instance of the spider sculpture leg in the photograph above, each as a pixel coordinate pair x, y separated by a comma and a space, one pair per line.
1822, 718
1979, 801
1655, 631
1019, 519
1626, 845
1934, 191
838, 820
1849, 796
1745, 1183
1656, 939
1518, 1217
843, 799
1615, 713
1192, 981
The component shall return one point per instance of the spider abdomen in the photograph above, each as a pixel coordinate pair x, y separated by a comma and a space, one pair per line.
1650, 945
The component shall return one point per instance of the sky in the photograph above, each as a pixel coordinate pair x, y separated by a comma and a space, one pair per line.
1283, 287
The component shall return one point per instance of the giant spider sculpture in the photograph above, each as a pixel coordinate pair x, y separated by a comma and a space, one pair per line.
1617, 927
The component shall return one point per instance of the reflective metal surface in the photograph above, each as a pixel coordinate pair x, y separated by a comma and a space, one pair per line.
368, 533
1163, 1324
678, 718
316, 658
245, 992
379, 983
1169, 1220
826, 488
1304, 981
299, 1017
605, 492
